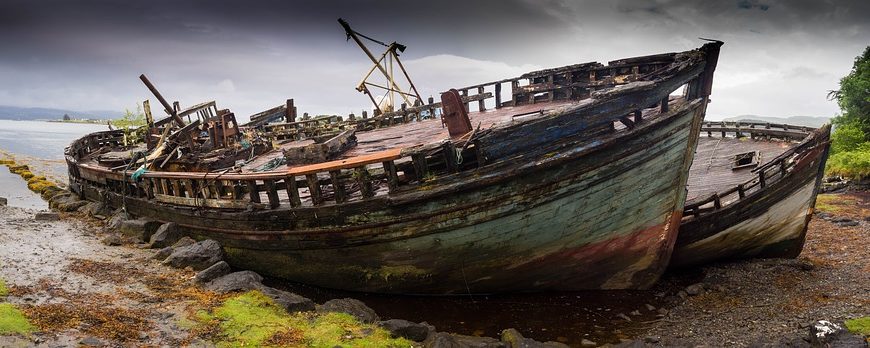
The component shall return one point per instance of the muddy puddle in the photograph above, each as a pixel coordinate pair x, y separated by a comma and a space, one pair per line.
599, 316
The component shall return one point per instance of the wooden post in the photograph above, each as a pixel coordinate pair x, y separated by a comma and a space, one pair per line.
665, 105
740, 191
314, 189
450, 157
498, 95
365, 181
290, 112
253, 192
272, 193
392, 176
481, 106
292, 191
465, 103
337, 186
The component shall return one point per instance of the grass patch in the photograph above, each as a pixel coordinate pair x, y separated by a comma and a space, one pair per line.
253, 319
859, 326
832, 203
12, 321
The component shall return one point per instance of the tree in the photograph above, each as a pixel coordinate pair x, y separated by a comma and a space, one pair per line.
854, 95
66, 117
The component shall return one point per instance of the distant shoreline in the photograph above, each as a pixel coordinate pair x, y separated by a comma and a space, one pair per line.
80, 121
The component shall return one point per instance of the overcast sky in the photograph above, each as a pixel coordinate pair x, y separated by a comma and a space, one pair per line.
780, 57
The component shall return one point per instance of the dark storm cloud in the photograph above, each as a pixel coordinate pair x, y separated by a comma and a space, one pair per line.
250, 55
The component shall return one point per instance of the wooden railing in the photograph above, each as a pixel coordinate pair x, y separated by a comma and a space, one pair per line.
765, 174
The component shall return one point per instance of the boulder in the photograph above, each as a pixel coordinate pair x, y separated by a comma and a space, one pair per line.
46, 216
166, 235
217, 270
183, 242
236, 281
112, 240
94, 209
199, 256
115, 220
3, 201
824, 333
66, 202
354, 307
52, 191
695, 289
406, 329
513, 339
139, 229
91, 342
446, 340
288, 300
162, 254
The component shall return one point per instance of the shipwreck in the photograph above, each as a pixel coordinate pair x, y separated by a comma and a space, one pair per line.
751, 191
576, 180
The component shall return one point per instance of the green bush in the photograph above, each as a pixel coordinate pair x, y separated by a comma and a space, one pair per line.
851, 164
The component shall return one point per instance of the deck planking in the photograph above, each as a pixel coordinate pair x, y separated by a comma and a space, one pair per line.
711, 169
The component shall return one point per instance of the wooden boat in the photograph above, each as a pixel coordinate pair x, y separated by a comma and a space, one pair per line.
576, 182
751, 191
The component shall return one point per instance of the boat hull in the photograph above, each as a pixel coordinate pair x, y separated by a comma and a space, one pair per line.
771, 223
603, 217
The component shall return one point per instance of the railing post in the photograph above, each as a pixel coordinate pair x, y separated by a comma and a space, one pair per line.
740, 191
498, 95
365, 181
272, 193
480, 103
253, 192
421, 167
337, 186
392, 176
292, 191
314, 189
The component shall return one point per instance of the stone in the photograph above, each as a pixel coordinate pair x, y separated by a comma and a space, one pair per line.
3, 201
513, 339
52, 191
162, 254
840, 219
824, 333
199, 256
635, 313
46, 216
94, 209
350, 306
446, 340
66, 202
823, 215
112, 240
406, 329
695, 289
649, 307
91, 342
289, 301
139, 229
682, 294
115, 219
652, 339
848, 223
183, 242
587, 343
166, 235
215, 271
623, 317
236, 281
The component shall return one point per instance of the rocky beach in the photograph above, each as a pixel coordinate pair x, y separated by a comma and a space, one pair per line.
85, 276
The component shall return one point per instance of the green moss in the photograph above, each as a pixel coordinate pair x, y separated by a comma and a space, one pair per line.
859, 326
3, 290
831, 203
252, 319
12, 321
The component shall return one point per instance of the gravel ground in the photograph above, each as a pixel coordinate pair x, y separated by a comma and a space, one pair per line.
773, 302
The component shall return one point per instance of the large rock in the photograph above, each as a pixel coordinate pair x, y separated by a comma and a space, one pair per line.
446, 340
46, 216
199, 256
166, 235
95, 209
52, 191
354, 307
217, 270
183, 242
824, 333
115, 219
139, 229
162, 254
407, 329
66, 202
237, 281
3, 201
513, 339
288, 300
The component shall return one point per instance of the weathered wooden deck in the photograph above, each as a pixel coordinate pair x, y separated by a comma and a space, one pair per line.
711, 169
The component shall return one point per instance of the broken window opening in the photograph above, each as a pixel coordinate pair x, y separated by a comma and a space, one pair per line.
746, 160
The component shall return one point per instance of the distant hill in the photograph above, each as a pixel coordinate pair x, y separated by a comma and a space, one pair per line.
809, 121
19, 113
